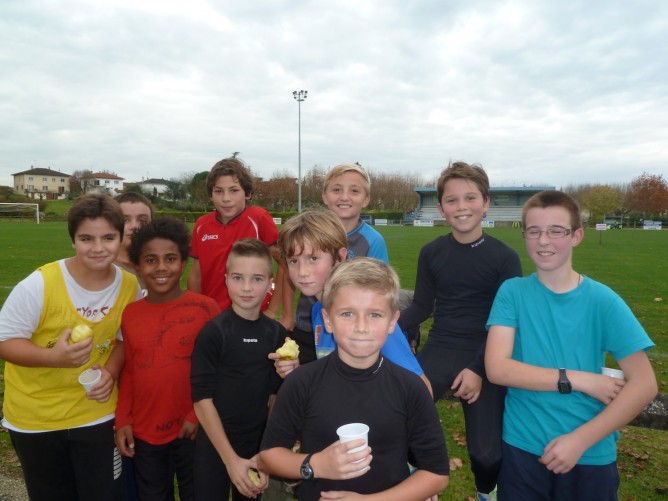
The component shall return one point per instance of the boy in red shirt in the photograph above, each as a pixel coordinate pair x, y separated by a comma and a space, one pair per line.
155, 420
230, 186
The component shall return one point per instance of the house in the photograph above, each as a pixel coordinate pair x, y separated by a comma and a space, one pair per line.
155, 187
42, 183
505, 204
105, 182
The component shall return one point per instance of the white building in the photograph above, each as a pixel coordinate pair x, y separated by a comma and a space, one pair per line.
104, 182
155, 187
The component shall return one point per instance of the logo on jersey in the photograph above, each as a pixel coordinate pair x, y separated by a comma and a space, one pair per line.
206, 237
251, 340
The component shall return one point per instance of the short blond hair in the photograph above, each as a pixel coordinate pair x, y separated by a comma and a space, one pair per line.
341, 169
322, 228
364, 273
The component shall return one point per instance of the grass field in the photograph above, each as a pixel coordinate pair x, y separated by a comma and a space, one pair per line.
633, 262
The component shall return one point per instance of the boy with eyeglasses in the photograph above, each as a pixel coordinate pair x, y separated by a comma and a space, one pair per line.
548, 335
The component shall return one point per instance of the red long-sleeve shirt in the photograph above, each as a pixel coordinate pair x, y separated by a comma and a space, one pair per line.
155, 395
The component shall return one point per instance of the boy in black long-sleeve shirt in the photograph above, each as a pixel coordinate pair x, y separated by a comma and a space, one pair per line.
458, 275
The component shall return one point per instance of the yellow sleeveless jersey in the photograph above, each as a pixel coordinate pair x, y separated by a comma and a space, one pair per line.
44, 398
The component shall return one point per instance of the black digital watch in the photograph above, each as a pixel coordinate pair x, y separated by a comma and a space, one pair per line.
564, 385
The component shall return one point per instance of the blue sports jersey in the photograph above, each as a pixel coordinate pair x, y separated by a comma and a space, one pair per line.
366, 241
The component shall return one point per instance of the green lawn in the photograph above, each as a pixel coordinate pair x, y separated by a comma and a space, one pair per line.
632, 262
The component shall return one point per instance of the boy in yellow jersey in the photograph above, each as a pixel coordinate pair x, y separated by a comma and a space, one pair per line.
63, 436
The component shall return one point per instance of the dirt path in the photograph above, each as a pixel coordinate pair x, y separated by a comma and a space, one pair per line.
12, 489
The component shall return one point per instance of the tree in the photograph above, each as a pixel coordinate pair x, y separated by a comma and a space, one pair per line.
81, 182
197, 191
648, 194
312, 183
394, 191
601, 200
176, 191
278, 194
136, 188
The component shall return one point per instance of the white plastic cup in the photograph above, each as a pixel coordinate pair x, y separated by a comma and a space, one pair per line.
616, 373
354, 431
89, 378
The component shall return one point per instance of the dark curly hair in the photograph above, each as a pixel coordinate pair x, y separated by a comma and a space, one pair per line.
166, 227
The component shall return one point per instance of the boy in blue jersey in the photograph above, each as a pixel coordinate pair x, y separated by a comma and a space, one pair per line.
346, 191
312, 243
548, 335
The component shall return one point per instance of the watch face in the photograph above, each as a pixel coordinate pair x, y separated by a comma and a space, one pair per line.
306, 471
564, 385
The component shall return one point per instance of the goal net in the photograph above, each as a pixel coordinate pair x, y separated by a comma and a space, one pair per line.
21, 211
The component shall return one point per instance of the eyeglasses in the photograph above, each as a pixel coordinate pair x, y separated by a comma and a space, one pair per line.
553, 232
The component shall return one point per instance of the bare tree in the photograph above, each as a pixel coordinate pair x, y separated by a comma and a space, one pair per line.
81, 181
279, 193
394, 191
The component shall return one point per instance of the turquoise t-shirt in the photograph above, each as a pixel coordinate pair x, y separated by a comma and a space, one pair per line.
572, 330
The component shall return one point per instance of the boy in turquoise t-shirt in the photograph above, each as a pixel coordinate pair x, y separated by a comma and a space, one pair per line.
548, 335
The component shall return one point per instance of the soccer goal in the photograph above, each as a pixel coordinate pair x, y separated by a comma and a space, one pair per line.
20, 211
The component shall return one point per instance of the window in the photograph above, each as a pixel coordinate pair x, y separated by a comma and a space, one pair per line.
106, 181
45, 188
29, 178
53, 179
45, 179
62, 179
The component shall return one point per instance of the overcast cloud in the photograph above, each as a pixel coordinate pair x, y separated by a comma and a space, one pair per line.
538, 92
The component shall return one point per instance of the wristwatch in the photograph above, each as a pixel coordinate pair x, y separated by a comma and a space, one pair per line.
564, 385
305, 470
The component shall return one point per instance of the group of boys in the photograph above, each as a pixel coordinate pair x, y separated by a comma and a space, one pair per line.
555, 438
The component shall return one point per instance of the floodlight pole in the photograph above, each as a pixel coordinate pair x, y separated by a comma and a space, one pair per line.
299, 96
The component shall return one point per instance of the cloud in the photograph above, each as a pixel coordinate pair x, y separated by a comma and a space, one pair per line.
539, 92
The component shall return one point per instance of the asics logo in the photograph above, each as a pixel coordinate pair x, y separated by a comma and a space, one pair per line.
206, 237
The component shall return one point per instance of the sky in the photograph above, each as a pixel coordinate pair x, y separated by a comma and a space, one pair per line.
540, 93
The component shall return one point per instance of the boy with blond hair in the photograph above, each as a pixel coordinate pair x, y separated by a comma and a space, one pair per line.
232, 379
356, 383
346, 191
155, 419
457, 277
548, 335
230, 186
64, 438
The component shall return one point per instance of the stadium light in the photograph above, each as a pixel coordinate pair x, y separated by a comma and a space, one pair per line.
299, 97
